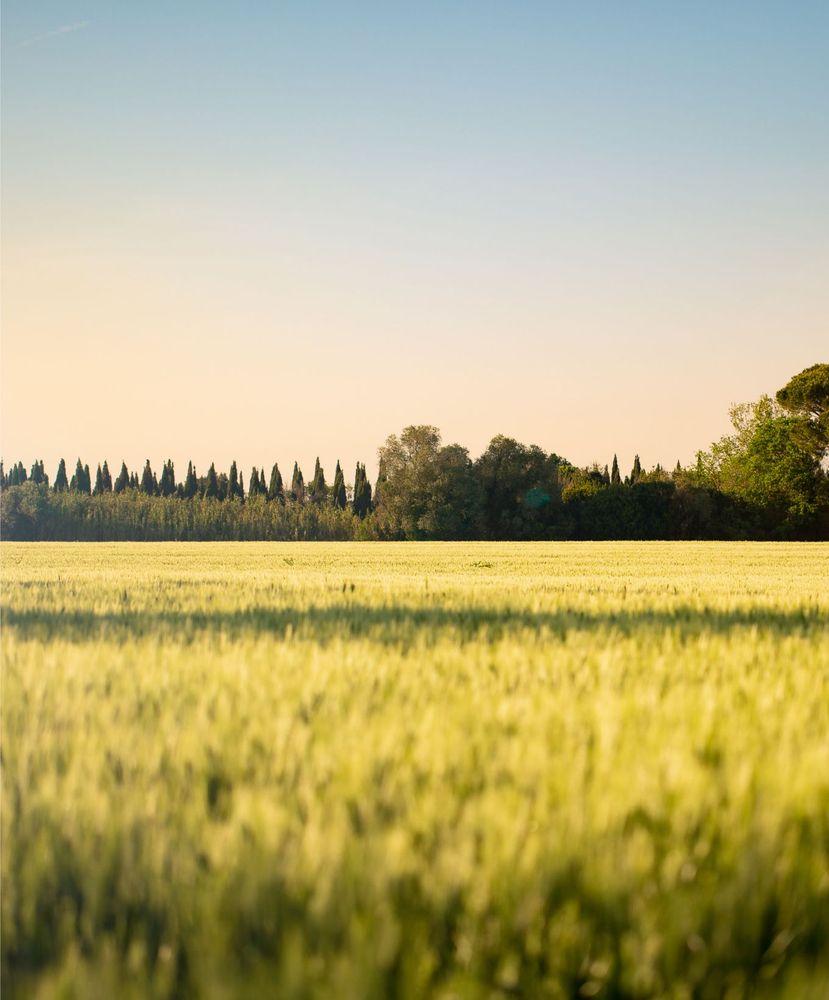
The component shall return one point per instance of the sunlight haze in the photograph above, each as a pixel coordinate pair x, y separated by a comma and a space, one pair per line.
264, 232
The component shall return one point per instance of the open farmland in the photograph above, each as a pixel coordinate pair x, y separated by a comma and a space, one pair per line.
454, 770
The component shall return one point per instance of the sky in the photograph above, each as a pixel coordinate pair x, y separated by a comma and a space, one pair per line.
274, 231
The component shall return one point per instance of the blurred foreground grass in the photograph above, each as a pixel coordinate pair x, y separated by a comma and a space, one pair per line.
390, 770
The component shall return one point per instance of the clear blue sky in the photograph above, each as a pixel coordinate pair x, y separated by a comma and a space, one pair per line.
279, 230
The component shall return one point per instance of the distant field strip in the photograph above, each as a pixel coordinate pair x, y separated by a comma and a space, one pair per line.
407, 770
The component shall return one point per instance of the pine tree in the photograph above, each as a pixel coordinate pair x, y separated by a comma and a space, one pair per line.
338, 496
636, 471
297, 484
190, 483
211, 486
615, 477
276, 490
147, 481
123, 481
99, 482
61, 485
106, 478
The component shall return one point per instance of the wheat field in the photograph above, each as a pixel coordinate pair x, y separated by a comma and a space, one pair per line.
408, 770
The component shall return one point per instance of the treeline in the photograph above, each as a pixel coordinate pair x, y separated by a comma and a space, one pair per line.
765, 481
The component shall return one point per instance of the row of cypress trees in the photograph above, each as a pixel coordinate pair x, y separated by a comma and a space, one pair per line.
214, 485
232, 485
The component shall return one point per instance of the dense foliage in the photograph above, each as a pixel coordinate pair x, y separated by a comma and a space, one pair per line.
403, 771
766, 480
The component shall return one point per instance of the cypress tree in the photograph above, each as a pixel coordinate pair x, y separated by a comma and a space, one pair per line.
338, 496
162, 483
276, 490
223, 493
263, 489
319, 490
99, 482
61, 485
77, 481
356, 496
134, 484
167, 483
297, 484
678, 469
241, 486
361, 503
106, 478
322, 486
147, 480
606, 477
190, 483
13, 475
253, 482
369, 506
123, 481
211, 486
87, 480
615, 477
636, 471
378, 486
37, 475
233, 482
3, 481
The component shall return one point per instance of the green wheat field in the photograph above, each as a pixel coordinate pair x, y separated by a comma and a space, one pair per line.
415, 770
